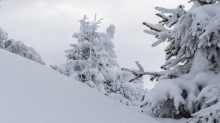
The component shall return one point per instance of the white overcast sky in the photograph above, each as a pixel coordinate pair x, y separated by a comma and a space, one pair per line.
48, 25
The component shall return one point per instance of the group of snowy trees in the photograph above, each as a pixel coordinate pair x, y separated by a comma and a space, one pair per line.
189, 86
92, 61
19, 48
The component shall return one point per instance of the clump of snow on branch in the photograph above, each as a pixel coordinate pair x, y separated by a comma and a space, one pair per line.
204, 2
92, 61
207, 115
177, 98
210, 105
137, 73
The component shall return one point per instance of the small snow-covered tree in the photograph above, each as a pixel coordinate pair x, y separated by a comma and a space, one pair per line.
3, 37
19, 48
92, 61
192, 58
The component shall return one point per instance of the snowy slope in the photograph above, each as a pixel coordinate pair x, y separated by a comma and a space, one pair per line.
32, 93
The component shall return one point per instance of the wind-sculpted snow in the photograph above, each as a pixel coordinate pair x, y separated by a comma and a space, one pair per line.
32, 93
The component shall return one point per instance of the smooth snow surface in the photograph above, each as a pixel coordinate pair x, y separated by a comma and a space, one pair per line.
169, 120
32, 93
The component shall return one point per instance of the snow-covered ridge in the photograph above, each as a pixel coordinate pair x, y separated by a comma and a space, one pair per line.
32, 93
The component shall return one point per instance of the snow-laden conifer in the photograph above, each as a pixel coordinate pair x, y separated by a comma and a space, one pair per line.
3, 37
92, 61
192, 59
19, 48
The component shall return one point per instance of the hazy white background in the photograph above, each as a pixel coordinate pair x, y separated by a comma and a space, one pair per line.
48, 25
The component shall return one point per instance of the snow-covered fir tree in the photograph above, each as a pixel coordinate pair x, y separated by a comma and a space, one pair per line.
3, 37
19, 48
92, 61
191, 77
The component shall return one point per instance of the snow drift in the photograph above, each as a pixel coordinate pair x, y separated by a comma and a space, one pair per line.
32, 93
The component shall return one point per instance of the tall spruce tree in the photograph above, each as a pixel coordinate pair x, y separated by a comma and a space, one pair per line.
192, 61
92, 61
